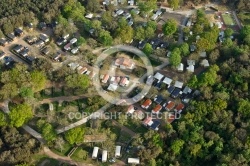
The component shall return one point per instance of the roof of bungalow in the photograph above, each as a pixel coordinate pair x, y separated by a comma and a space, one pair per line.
178, 84
190, 68
158, 76
158, 99
150, 80
167, 80
191, 62
179, 107
148, 121
203, 54
157, 108
171, 117
72, 41
124, 81
112, 87
187, 90
204, 63
146, 103
131, 109
155, 125
170, 105
180, 67
105, 78
124, 62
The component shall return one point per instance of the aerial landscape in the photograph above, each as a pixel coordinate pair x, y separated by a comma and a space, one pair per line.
124, 82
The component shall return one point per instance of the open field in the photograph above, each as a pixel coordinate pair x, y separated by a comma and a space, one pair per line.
228, 19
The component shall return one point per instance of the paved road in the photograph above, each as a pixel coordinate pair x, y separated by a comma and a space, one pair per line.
237, 20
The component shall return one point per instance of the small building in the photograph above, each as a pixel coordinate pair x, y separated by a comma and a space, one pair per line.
204, 63
189, 23
61, 41
39, 43
89, 15
67, 47
155, 125
157, 109
24, 52
180, 67
82, 70
115, 80
11, 36
119, 12
190, 68
18, 48
192, 48
179, 108
203, 54
73, 41
158, 99
167, 80
124, 81
74, 50
178, 84
146, 104
104, 156
131, 2
158, 76
125, 63
118, 151
44, 37
187, 90
31, 40
133, 160
150, 80
46, 51
105, 78
176, 93
131, 109
73, 65
3, 42
30, 26
147, 121
18, 32
43, 26
95, 152
171, 89
57, 56
112, 87
170, 105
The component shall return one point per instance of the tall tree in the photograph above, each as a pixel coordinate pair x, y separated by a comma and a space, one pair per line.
175, 57
93, 5
75, 135
77, 81
174, 4
20, 114
170, 27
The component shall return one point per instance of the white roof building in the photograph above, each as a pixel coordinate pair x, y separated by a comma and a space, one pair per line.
150, 80
74, 50
73, 65
203, 54
158, 76
72, 41
112, 87
89, 16
180, 67
133, 160
167, 80
104, 156
178, 84
95, 152
190, 68
204, 63
118, 151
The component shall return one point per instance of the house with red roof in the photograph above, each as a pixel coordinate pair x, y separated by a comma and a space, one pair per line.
170, 105
105, 78
146, 104
124, 81
148, 121
157, 109
179, 107
131, 109
125, 63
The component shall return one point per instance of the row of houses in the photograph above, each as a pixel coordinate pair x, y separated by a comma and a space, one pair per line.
24, 53
82, 70
104, 155
18, 32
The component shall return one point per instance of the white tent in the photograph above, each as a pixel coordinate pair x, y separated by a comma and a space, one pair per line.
95, 152
133, 160
118, 151
104, 156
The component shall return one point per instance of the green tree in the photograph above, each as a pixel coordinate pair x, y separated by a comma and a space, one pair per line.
184, 48
204, 44
38, 80
170, 27
1, 34
176, 146
146, 6
81, 41
77, 81
105, 38
245, 31
48, 132
193, 82
148, 49
26, 92
93, 5
74, 10
20, 114
125, 33
9, 90
244, 107
174, 4
140, 33
228, 32
175, 57
75, 135
3, 119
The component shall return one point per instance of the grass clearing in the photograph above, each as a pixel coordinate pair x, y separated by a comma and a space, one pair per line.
228, 19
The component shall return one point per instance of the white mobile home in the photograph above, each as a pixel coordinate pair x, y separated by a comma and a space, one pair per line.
133, 160
95, 152
104, 156
118, 151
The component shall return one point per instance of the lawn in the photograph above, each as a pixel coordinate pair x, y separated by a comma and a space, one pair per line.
228, 19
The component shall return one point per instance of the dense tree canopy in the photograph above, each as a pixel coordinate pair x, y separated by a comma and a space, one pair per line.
175, 57
170, 27
75, 135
